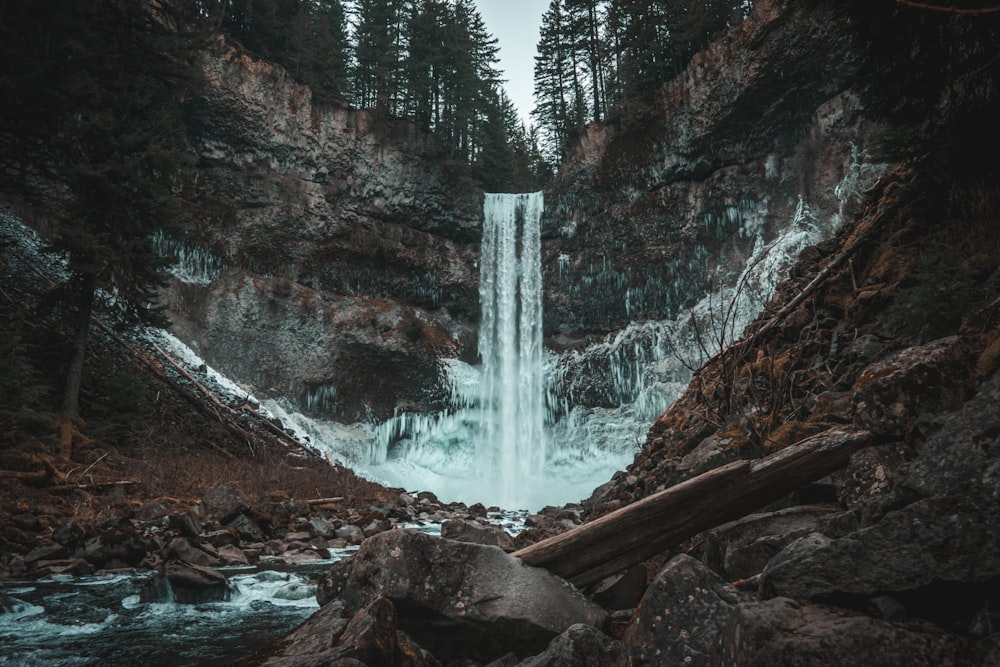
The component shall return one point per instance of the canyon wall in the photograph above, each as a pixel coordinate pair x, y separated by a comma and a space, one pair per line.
333, 255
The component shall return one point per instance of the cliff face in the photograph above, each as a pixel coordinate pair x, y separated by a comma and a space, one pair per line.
663, 202
334, 245
890, 328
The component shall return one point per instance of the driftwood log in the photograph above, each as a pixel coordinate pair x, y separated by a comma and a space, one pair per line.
634, 533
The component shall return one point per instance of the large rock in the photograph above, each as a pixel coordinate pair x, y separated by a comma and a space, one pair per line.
188, 584
890, 394
786, 632
964, 455
580, 646
680, 616
462, 530
950, 539
459, 599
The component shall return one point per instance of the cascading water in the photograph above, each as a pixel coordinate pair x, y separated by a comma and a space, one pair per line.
515, 434
510, 449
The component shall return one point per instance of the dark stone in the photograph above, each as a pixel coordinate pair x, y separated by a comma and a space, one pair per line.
680, 616
579, 646
328, 637
182, 549
871, 475
948, 538
963, 456
786, 632
741, 548
187, 523
75, 566
890, 394
194, 584
46, 552
321, 527
622, 591
247, 528
351, 533
224, 503
476, 533
459, 599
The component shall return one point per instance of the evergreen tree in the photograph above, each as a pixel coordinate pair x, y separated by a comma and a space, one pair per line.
101, 81
378, 54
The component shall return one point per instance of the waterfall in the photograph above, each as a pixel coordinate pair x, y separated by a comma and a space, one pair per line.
510, 449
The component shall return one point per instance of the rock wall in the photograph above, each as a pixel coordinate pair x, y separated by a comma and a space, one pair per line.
665, 202
327, 241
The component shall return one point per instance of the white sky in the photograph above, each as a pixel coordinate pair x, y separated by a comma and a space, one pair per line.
515, 24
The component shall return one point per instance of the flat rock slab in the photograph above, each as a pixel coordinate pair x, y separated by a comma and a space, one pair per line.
459, 599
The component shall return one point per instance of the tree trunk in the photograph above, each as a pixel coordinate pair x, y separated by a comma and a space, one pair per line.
74, 373
649, 526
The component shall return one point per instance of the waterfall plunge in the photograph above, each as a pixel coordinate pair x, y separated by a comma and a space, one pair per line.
510, 450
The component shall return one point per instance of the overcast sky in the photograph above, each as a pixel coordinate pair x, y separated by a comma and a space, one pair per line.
515, 24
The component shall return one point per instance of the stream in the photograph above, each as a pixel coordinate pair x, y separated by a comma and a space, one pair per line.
113, 620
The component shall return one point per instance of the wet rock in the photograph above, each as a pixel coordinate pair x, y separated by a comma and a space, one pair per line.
329, 637
72, 533
680, 616
581, 646
183, 550
192, 584
890, 394
786, 632
463, 530
232, 555
45, 552
948, 538
73, 566
121, 543
459, 599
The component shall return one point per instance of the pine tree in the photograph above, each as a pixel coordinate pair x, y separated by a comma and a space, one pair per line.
105, 147
378, 54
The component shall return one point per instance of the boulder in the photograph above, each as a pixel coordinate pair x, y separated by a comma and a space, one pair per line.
351, 533
740, 549
331, 637
580, 646
190, 584
474, 532
247, 528
183, 550
320, 527
890, 394
950, 539
223, 503
963, 456
187, 523
785, 632
459, 599
680, 616
621, 591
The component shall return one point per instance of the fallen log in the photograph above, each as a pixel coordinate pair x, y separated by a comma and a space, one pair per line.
630, 535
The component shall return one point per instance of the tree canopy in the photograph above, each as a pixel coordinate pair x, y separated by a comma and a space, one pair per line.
592, 54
